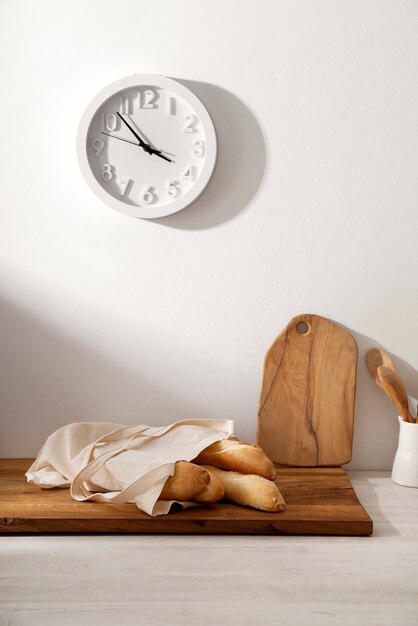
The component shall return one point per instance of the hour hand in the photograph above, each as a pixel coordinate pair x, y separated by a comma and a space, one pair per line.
142, 144
158, 153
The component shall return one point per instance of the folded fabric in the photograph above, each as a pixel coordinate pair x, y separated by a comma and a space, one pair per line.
108, 462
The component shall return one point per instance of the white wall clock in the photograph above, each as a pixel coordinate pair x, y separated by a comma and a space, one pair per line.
147, 146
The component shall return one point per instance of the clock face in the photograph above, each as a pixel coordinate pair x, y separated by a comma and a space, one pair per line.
147, 146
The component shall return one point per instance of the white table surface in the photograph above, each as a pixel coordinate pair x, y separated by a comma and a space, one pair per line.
222, 580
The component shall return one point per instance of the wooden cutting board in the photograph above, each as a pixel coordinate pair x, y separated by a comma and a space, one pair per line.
319, 501
306, 410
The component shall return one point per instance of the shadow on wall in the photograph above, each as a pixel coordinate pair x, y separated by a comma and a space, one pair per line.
376, 426
240, 165
48, 379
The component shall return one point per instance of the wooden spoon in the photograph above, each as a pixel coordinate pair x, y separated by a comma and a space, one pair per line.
393, 386
374, 358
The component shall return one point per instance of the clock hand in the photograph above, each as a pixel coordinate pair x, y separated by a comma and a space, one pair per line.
142, 144
151, 150
158, 153
120, 138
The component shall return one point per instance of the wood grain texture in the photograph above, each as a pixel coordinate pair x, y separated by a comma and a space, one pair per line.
245, 580
374, 358
306, 408
393, 386
319, 501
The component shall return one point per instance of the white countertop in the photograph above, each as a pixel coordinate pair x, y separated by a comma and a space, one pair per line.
222, 580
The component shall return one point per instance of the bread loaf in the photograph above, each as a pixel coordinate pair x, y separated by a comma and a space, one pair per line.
212, 493
231, 454
249, 489
188, 480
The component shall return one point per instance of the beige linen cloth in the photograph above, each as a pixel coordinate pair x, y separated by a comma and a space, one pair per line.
109, 462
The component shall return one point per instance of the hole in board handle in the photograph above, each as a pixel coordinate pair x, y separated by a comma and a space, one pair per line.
302, 328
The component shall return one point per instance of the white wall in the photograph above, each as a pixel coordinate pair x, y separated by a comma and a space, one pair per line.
312, 208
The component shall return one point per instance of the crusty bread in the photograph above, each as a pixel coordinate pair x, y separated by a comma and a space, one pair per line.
212, 493
188, 481
231, 454
249, 489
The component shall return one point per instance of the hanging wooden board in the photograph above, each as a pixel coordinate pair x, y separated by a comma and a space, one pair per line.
319, 501
306, 409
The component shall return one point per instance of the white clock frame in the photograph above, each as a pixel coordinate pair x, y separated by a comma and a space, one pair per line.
139, 80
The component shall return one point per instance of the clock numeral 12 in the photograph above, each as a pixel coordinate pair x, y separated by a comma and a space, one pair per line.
147, 99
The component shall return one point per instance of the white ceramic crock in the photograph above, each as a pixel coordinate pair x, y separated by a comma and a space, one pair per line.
405, 464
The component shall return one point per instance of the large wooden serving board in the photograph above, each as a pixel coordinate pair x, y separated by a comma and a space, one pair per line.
306, 410
320, 501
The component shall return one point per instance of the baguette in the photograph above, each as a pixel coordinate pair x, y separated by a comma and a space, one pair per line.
231, 454
212, 493
249, 489
188, 481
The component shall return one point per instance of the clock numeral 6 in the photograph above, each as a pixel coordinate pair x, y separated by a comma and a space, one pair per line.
148, 195
173, 188
190, 173
107, 173
191, 122
97, 144
199, 148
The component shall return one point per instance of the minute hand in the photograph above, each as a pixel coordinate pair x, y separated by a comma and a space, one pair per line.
143, 145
